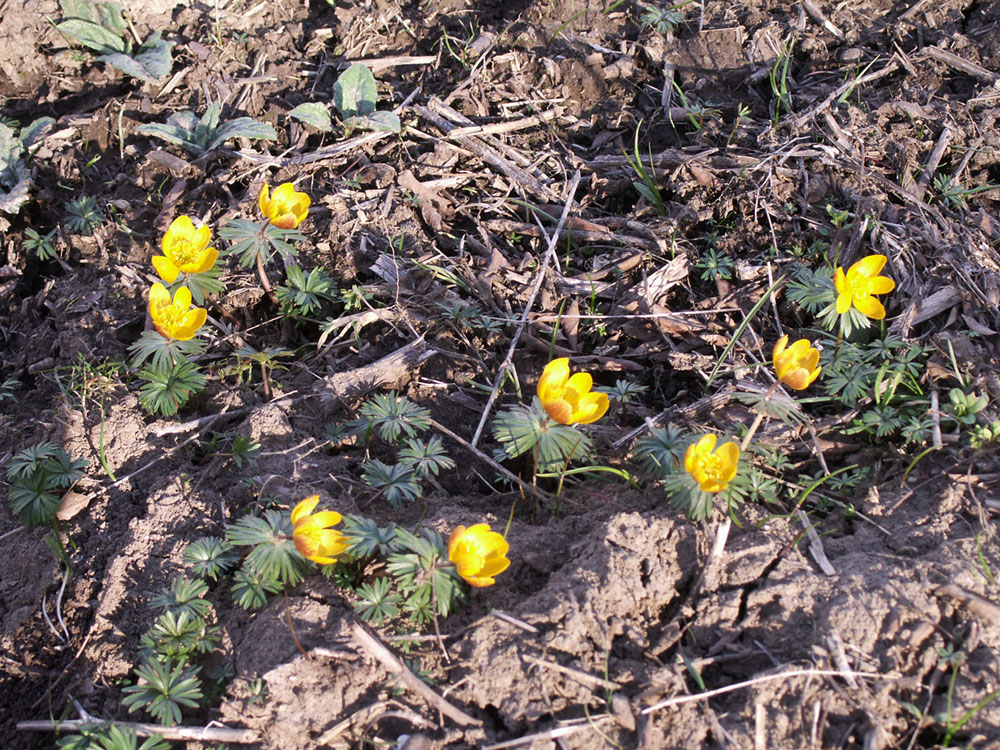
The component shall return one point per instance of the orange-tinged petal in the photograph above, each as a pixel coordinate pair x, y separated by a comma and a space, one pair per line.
553, 379
166, 268
561, 411
870, 307
304, 508
285, 221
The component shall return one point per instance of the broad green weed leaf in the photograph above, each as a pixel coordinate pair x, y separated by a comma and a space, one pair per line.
35, 131
207, 124
313, 114
384, 120
355, 92
154, 57
174, 134
242, 127
93, 36
14, 177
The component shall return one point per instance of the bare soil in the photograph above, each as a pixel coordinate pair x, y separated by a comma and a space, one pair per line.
602, 614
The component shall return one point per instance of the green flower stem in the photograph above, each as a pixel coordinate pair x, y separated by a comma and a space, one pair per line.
291, 629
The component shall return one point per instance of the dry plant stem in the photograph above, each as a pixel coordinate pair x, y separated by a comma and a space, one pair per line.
291, 629
373, 647
193, 734
757, 681
803, 119
932, 163
265, 282
549, 255
552, 734
575, 674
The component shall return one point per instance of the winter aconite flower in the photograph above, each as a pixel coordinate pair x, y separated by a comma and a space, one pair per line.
712, 468
312, 533
796, 365
175, 318
478, 553
285, 207
569, 400
185, 250
860, 283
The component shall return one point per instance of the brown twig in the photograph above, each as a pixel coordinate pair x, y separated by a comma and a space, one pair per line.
193, 734
539, 278
375, 648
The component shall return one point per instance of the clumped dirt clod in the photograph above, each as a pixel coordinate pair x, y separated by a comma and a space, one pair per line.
614, 612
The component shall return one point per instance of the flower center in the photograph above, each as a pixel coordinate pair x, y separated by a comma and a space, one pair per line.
184, 252
712, 465
858, 286
171, 315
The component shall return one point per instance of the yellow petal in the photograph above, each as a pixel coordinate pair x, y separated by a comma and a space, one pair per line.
581, 382
494, 565
327, 518
263, 201
844, 300
869, 266
779, 347
182, 297
881, 285
592, 407
304, 507
165, 268
839, 280
283, 193
158, 295
456, 536
206, 261
201, 237
871, 307
553, 378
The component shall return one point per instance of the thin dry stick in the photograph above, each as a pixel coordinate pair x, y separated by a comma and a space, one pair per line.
552, 734
204, 734
525, 487
539, 278
921, 185
805, 117
576, 674
383, 655
757, 681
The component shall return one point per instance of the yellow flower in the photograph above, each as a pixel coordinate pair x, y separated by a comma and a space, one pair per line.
185, 250
286, 208
312, 533
569, 400
796, 365
859, 284
172, 318
712, 469
478, 553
